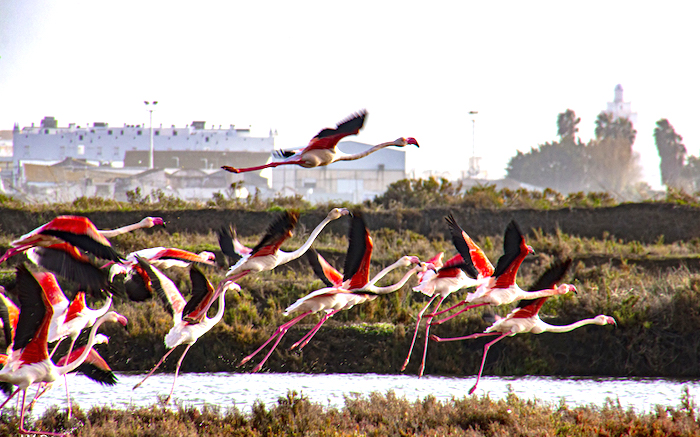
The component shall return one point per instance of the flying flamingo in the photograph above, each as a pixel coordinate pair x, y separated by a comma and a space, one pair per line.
322, 150
346, 291
190, 319
30, 363
267, 254
68, 262
500, 288
457, 273
78, 231
134, 278
9, 316
94, 367
525, 318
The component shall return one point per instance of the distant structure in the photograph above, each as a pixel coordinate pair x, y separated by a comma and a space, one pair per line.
106, 145
50, 163
619, 108
352, 181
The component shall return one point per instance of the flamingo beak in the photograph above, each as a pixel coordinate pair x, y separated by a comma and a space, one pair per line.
413, 141
158, 221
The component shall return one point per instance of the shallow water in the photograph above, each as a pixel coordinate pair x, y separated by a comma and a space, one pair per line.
243, 389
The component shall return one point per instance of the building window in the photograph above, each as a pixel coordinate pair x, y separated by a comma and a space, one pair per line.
81, 138
81, 149
174, 133
99, 151
122, 132
138, 132
109, 132
157, 132
206, 139
46, 131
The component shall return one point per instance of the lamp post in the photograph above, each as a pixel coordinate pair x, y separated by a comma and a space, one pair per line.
150, 106
473, 165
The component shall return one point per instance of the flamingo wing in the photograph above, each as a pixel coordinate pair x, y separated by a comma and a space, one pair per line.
94, 366
82, 233
230, 245
163, 287
329, 137
6, 323
549, 279
453, 266
514, 252
201, 299
277, 233
357, 260
464, 244
67, 261
175, 254
326, 272
32, 307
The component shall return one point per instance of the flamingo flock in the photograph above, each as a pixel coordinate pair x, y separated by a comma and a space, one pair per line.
71, 248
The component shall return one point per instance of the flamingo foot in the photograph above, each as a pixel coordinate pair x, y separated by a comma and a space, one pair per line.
472, 389
231, 169
405, 364
435, 338
244, 360
257, 368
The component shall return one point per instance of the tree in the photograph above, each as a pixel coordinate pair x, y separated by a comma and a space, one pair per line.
613, 165
672, 153
567, 124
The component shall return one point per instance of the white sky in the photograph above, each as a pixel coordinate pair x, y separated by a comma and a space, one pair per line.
417, 67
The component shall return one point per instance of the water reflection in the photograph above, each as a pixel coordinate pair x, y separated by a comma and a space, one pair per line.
242, 390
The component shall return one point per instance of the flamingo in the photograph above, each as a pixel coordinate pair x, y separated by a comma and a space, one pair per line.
190, 319
30, 363
346, 291
9, 316
134, 278
94, 367
69, 262
78, 231
525, 318
166, 257
322, 150
501, 288
457, 273
266, 255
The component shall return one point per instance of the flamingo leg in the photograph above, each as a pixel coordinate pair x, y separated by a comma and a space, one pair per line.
154, 368
177, 371
21, 421
309, 335
427, 333
415, 333
261, 167
70, 404
283, 331
55, 347
282, 328
9, 397
457, 313
457, 305
483, 359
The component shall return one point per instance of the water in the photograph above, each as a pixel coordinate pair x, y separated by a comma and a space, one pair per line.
242, 389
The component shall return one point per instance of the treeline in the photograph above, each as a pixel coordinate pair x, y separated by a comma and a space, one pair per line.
607, 162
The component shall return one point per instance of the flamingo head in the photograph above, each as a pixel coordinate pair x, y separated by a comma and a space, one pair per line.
208, 256
149, 222
604, 320
113, 316
232, 286
530, 250
407, 260
336, 213
565, 288
101, 339
400, 142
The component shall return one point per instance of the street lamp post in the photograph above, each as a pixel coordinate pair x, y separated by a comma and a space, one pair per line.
150, 111
473, 166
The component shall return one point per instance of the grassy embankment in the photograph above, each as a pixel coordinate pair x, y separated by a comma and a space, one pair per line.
651, 289
376, 415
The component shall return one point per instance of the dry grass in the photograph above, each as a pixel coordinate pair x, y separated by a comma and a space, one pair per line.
375, 415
